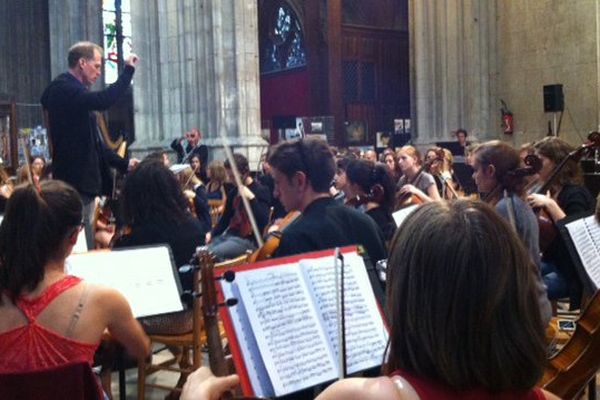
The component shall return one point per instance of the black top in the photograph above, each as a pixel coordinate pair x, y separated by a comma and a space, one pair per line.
573, 200
183, 238
259, 205
79, 157
325, 224
384, 221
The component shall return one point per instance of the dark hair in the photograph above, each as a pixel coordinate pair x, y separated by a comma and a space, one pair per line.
367, 174
311, 156
505, 160
557, 150
152, 193
32, 233
82, 50
461, 130
241, 162
462, 301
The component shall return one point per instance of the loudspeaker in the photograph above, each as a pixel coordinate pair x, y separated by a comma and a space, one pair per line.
554, 100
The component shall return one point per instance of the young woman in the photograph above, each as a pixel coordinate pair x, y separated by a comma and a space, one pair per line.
421, 184
217, 175
389, 158
496, 173
195, 192
372, 186
567, 196
48, 318
442, 173
38, 166
6, 188
478, 335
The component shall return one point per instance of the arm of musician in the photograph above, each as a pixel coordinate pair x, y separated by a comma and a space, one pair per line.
203, 385
547, 203
103, 99
382, 388
260, 207
122, 325
227, 214
113, 159
426, 198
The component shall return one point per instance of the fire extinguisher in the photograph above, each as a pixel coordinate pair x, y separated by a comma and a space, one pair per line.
507, 119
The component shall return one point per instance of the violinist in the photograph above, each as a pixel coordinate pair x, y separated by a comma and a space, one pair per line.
156, 211
495, 167
303, 171
233, 235
340, 180
372, 189
195, 192
442, 173
566, 196
415, 180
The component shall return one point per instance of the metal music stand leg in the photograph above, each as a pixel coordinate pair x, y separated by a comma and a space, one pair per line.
121, 368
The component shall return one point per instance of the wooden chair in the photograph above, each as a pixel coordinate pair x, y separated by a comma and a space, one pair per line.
70, 381
215, 210
194, 340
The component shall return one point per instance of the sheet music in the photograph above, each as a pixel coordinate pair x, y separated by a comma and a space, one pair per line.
257, 372
293, 345
585, 234
81, 244
400, 215
145, 276
366, 336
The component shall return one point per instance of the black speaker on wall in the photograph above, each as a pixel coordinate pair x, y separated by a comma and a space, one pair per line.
554, 100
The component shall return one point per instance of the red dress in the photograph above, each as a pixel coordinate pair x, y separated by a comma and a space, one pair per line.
427, 389
33, 347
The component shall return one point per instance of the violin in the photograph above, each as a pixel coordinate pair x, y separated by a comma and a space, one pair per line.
273, 238
405, 199
548, 231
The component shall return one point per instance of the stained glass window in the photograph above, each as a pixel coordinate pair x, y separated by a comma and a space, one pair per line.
282, 42
116, 18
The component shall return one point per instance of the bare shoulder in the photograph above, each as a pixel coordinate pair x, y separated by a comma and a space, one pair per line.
550, 396
382, 388
107, 298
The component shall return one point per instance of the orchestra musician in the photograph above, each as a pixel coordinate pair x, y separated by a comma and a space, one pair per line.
478, 335
442, 173
495, 164
303, 171
188, 146
233, 235
80, 156
567, 196
415, 180
371, 190
195, 191
49, 318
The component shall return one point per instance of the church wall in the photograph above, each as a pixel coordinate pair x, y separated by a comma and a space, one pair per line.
548, 42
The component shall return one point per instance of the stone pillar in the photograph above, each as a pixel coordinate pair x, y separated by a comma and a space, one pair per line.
71, 21
453, 55
199, 68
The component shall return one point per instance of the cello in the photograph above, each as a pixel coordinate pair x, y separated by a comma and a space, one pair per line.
569, 370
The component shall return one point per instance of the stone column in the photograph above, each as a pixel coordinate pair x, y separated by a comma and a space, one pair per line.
69, 22
199, 68
453, 69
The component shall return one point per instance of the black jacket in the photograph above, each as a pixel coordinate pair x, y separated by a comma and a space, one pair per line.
79, 157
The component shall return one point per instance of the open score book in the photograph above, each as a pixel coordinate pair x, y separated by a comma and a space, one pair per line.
283, 332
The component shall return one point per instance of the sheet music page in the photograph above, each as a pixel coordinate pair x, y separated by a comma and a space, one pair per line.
366, 335
81, 244
145, 276
292, 342
585, 234
400, 215
257, 372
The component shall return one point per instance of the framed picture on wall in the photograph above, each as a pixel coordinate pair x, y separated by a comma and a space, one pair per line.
356, 132
383, 139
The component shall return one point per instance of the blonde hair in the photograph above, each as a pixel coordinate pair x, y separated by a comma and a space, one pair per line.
412, 151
